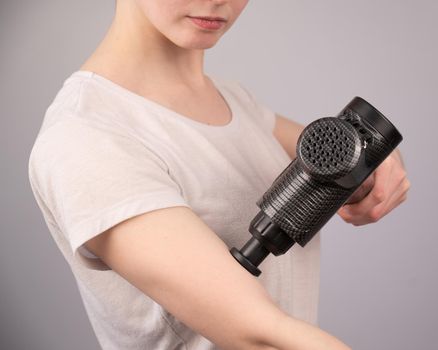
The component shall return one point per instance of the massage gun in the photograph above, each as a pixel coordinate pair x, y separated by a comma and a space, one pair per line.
335, 155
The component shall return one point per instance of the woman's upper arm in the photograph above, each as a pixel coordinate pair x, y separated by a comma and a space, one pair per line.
287, 131
175, 258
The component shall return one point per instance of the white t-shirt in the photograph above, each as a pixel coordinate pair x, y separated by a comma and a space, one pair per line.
105, 154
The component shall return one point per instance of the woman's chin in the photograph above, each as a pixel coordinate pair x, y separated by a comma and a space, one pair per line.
202, 46
198, 42
198, 46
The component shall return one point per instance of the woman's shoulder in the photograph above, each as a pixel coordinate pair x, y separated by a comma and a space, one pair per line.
68, 100
85, 98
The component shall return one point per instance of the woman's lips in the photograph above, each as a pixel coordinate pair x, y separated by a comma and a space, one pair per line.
212, 23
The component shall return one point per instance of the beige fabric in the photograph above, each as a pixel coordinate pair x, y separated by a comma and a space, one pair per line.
105, 154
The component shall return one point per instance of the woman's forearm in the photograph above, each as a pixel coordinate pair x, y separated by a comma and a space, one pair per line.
291, 334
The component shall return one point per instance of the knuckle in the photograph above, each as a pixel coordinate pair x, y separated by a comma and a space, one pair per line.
374, 215
347, 218
401, 176
407, 185
379, 194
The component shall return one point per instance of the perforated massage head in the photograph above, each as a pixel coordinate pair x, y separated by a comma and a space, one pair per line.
329, 148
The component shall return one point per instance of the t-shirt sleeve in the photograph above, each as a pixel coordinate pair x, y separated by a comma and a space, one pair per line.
266, 115
92, 177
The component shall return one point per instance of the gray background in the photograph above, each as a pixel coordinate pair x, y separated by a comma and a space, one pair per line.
305, 60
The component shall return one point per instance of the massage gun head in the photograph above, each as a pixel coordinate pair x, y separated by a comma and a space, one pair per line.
329, 148
334, 156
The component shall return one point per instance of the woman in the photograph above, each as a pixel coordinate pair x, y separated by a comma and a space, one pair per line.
147, 170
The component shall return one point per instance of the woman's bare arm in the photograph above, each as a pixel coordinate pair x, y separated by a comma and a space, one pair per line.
175, 258
286, 132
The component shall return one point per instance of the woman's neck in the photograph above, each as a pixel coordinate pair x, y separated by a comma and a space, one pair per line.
135, 54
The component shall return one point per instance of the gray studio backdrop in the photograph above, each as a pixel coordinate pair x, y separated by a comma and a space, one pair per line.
305, 60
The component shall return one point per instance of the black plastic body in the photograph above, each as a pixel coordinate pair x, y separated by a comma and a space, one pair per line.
334, 157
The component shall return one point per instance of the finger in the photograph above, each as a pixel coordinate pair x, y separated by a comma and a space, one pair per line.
396, 198
398, 188
393, 189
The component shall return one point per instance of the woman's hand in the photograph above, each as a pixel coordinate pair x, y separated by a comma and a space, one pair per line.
389, 186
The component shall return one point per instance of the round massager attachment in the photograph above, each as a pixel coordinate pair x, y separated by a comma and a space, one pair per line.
329, 148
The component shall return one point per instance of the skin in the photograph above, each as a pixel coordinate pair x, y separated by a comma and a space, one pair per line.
153, 49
